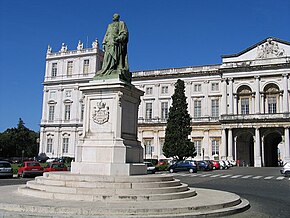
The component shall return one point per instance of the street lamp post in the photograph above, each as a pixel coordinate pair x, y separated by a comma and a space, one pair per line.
22, 157
202, 153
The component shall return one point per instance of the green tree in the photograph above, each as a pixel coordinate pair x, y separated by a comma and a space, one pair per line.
177, 144
15, 142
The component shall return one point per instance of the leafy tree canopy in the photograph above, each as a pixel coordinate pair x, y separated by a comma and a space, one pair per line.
177, 144
14, 141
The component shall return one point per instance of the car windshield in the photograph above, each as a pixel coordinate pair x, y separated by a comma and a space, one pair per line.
57, 166
149, 164
32, 164
5, 165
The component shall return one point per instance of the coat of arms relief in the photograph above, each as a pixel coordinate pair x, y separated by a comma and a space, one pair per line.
101, 113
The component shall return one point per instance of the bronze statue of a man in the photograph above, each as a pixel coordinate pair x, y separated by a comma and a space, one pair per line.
115, 42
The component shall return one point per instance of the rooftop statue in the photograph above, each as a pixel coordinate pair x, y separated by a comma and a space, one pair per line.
115, 63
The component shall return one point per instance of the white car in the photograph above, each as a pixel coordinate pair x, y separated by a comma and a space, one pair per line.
150, 168
286, 170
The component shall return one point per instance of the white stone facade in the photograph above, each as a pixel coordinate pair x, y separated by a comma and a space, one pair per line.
239, 109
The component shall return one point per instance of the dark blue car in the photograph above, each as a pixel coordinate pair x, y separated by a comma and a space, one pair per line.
185, 165
204, 165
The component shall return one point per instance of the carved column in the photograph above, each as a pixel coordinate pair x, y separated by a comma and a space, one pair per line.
224, 97
263, 151
281, 103
224, 145
285, 94
155, 145
205, 106
230, 144
235, 106
257, 149
252, 109
156, 109
263, 103
231, 96
257, 97
235, 147
206, 144
287, 145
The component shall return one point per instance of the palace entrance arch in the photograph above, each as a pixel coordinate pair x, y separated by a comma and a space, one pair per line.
271, 142
245, 148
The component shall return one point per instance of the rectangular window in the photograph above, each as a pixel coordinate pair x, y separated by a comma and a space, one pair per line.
54, 70
197, 145
245, 107
214, 87
65, 145
215, 147
49, 145
149, 149
86, 66
272, 104
148, 110
69, 69
164, 89
67, 112
149, 91
82, 111
164, 110
215, 108
51, 113
197, 87
197, 108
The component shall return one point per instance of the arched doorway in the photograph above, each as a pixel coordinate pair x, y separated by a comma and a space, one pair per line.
271, 142
245, 149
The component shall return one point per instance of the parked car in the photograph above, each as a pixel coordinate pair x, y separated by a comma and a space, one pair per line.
41, 158
286, 169
30, 168
233, 162
215, 164
50, 160
204, 165
55, 166
151, 169
162, 162
6, 169
185, 165
223, 165
228, 163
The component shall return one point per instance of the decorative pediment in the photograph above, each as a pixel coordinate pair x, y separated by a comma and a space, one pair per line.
270, 48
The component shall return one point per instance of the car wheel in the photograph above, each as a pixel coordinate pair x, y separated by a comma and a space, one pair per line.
287, 173
171, 170
191, 170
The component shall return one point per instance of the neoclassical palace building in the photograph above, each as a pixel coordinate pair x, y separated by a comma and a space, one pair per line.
239, 108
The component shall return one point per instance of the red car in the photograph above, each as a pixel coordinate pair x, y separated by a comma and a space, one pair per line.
30, 168
55, 166
215, 164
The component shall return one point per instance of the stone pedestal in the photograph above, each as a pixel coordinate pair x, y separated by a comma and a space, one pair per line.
109, 145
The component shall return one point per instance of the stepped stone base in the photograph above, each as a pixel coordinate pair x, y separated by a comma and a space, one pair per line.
108, 168
86, 196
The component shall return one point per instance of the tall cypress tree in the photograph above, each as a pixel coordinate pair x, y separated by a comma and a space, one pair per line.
177, 144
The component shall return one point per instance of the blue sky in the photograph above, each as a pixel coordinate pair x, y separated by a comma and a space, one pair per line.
163, 34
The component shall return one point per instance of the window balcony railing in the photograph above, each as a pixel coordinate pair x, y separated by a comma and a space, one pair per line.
254, 117
158, 120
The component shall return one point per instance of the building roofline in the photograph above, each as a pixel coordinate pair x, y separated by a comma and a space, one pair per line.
253, 46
